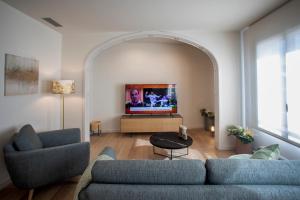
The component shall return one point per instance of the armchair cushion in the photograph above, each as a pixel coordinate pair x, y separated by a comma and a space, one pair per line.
60, 137
27, 139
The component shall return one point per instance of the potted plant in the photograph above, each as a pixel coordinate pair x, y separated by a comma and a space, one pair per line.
244, 138
209, 119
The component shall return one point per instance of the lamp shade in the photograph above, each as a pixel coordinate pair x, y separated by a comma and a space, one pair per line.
63, 86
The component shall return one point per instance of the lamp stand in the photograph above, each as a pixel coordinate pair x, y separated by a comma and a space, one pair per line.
63, 111
63, 87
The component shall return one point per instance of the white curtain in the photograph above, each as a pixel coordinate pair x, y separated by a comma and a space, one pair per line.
278, 84
270, 87
293, 83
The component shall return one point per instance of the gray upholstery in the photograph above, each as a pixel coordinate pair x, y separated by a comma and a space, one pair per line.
253, 172
9, 148
27, 139
66, 157
53, 138
226, 179
189, 192
109, 151
149, 172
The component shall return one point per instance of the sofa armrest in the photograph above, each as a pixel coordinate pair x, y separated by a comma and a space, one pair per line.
31, 169
60, 137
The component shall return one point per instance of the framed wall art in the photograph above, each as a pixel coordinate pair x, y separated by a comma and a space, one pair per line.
21, 75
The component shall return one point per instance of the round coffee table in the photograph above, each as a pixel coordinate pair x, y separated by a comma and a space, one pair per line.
171, 141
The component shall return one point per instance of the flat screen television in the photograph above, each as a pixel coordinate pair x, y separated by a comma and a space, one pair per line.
150, 99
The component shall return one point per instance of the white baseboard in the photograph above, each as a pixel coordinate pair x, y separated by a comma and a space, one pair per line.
111, 131
196, 128
226, 148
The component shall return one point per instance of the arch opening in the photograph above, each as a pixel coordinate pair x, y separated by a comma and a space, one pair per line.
144, 35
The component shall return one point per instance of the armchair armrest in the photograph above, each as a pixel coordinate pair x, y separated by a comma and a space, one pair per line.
60, 137
31, 169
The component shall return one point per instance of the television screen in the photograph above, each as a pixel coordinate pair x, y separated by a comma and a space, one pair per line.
150, 98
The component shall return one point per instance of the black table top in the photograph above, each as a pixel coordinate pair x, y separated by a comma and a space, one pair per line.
170, 140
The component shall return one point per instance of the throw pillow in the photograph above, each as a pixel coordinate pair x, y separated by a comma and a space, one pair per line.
271, 152
27, 139
240, 156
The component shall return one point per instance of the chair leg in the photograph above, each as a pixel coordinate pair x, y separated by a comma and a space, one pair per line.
30, 194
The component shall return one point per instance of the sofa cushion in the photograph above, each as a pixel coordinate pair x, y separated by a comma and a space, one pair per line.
149, 172
189, 192
271, 152
27, 139
253, 172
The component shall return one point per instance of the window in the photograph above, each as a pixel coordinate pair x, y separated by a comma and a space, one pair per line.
278, 85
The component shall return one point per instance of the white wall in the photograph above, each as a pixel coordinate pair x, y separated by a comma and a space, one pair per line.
152, 61
23, 36
224, 46
282, 20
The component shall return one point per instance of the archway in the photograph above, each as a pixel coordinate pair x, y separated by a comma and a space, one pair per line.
141, 35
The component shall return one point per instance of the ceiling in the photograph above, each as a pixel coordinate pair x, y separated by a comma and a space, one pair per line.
136, 15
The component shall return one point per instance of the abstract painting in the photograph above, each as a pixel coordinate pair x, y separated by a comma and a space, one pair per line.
21, 75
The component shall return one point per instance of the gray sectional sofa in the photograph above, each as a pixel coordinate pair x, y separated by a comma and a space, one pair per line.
193, 180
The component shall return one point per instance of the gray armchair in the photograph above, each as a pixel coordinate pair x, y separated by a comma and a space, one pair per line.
35, 160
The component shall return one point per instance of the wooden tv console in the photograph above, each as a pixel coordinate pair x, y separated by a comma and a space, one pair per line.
150, 123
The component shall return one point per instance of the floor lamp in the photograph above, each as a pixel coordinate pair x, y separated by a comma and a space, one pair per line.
63, 87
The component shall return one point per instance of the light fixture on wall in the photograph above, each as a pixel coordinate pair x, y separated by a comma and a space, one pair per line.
63, 87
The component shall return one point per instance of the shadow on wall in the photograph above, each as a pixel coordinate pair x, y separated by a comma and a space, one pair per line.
5, 137
46, 87
121, 90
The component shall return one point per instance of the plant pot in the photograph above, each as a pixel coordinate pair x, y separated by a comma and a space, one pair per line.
241, 148
208, 122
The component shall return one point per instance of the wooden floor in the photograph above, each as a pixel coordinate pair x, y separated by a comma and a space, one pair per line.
127, 146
